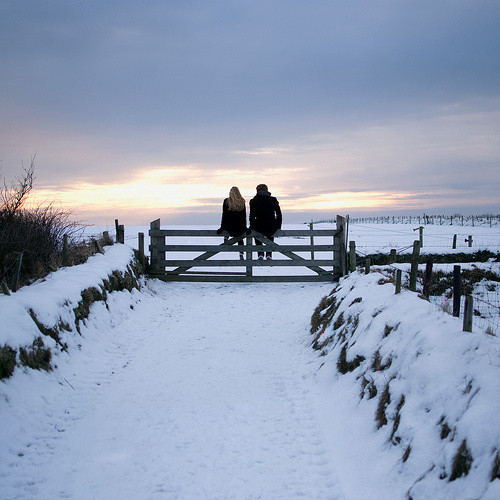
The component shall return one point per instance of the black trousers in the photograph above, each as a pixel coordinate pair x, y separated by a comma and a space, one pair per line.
259, 243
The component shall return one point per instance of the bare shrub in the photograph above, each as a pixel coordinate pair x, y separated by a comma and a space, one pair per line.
35, 235
13, 197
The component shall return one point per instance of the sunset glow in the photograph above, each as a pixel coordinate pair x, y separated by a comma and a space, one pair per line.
161, 108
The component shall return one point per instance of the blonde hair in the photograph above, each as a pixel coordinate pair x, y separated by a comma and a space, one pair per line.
235, 202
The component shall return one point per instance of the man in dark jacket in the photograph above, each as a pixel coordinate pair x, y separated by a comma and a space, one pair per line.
265, 215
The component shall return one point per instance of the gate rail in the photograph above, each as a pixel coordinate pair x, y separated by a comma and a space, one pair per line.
325, 269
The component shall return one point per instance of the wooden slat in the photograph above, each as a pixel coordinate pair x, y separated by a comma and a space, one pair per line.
244, 279
216, 273
207, 255
242, 248
245, 263
212, 232
291, 255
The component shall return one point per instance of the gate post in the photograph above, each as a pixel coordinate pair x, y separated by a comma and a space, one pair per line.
153, 248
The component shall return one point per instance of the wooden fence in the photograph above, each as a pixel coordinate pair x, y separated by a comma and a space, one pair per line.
163, 242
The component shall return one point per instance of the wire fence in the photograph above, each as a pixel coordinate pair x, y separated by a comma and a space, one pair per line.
479, 280
439, 220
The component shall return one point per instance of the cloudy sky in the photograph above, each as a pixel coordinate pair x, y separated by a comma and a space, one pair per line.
139, 110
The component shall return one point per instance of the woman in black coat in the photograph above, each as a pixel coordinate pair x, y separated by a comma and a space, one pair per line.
234, 216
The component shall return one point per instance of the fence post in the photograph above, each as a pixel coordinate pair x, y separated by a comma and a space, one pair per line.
339, 249
98, 246
117, 229
398, 280
414, 266
352, 256
392, 256
142, 257
311, 227
367, 265
249, 256
454, 241
456, 291
468, 312
427, 278
469, 240
120, 236
421, 235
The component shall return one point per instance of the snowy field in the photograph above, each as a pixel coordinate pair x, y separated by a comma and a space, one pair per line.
369, 238
185, 390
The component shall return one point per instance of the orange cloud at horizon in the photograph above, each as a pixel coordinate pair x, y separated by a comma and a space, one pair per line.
176, 190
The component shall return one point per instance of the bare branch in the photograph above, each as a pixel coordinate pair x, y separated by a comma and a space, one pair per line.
14, 197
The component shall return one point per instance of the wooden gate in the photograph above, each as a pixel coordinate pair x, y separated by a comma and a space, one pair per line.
200, 268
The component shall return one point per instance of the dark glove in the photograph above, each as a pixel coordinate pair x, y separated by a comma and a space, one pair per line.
219, 231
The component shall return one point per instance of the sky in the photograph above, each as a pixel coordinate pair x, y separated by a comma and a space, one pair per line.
144, 110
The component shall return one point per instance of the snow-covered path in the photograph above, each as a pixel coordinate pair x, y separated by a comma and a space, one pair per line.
200, 391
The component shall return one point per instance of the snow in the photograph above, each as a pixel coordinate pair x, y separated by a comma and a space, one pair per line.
184, 390
441, 371
200, 391
54, 297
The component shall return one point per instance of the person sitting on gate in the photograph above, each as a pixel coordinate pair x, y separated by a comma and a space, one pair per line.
265, 216
234, 216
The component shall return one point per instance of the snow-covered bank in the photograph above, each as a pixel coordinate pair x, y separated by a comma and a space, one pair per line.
53, 308
414, 400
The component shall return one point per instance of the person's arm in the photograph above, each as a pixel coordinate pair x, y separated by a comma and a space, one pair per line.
279, 217
223, 222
